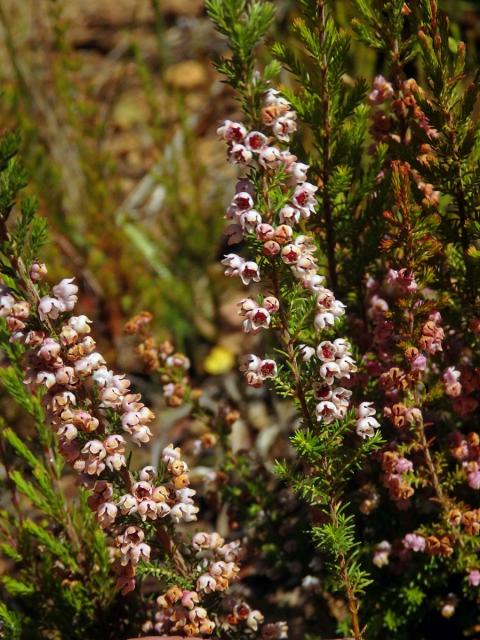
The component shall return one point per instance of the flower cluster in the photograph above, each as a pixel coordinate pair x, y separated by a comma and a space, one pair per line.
395, 469
402, 106
283, 247
466, 449
91, 409
257, 316
171, 366
180, 611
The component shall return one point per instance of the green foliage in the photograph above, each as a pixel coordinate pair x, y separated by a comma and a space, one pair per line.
245, 24
11, 623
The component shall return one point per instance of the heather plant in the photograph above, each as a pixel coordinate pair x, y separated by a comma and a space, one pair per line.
59, 377
396, 150
353, 228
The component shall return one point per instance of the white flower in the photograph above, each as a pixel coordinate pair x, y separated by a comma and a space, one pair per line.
163, 509
273, 98
233, 263
298, 171
257, 319
249, 220
185, 495
232, 131
289, 215
254, 619
67, 293
268, 157
313, 282
147, 474
326, 351
86, 366
284, 126
116, 461
365, 410
139, 552
67, 431
80, 324
234, 233
255, 141
201, 540
45, 378
170, 453
304, 198
50, 308
326, 411
248, 272
6, 304
66, 376
366, 426
329, 371
240, 154
141, 435
106, 514
306, 352
249, 362
267, 369
206, 583
290, 253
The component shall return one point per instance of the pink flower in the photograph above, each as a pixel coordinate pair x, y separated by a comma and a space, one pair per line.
473, 479
382, 90
264, 232
451, 377
38, 271
49, 351
474, 578
403, 465
401, 281
419, 363
190, 599
414, 542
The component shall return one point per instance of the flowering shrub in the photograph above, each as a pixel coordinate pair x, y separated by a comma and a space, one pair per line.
353, 228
